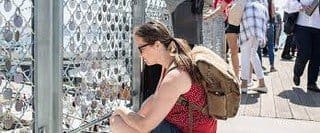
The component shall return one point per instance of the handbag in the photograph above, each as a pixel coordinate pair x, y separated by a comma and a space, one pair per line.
235, 12
290, 20
197, 6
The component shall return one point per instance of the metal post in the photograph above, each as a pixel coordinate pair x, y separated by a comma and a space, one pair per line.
48, 65
138, 18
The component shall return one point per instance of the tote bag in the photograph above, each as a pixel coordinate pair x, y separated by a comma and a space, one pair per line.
235, 12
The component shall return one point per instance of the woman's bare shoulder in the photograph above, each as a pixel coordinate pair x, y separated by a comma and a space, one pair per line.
178, 79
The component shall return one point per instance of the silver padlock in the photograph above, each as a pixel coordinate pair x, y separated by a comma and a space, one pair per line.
7, 94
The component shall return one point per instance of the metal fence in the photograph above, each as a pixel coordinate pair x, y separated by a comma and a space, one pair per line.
74, 62
16, 59
97, 60
65, 65
213, 29
213, 35
157, 10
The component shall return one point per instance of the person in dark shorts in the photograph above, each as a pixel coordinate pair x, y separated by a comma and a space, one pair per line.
232, 32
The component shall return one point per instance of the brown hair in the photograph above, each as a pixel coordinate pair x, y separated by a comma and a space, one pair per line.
154, 31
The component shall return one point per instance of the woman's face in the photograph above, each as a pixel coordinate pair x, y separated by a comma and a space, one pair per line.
147, 50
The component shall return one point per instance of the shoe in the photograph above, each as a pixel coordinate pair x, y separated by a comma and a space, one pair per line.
262, 89
286, 57
244, 90
296, 80
244, 86
250, 84
273, 69
314, 88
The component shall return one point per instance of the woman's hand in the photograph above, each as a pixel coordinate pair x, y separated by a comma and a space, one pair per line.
306, 8
211, 13
121, 111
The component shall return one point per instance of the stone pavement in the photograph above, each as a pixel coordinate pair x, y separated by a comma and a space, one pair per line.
285, 108
249, 124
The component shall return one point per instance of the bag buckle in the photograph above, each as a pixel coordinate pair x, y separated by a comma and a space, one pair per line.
184, 102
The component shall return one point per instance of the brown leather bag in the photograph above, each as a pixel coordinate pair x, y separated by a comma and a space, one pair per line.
220, 84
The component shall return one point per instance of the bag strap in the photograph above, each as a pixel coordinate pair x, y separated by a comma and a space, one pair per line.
189, 105
190, 118
171, 67
183, 101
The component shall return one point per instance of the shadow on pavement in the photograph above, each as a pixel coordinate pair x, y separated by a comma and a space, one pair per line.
300, 97
250, 98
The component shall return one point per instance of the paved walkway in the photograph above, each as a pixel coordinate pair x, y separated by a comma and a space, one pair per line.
284, 100
248, 124
285, 108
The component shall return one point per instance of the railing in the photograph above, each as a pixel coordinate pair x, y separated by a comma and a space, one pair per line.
16, 69
97, 49
65, 65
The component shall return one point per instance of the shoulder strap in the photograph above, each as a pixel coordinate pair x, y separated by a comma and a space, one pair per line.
171, 67
183, 101
164, 72
190, 107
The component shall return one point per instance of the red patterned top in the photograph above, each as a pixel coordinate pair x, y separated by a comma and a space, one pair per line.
179, 113
215, 3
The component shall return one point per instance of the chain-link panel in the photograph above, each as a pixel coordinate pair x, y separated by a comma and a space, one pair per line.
16, 71
213, 35
97, 62
157, 10
213, 29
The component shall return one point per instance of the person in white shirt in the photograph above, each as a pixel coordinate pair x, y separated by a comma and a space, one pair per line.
307, 35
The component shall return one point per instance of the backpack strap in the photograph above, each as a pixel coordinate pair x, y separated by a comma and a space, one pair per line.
190, 118
164, 72
172, 66
183, 101
186, 103
191, 106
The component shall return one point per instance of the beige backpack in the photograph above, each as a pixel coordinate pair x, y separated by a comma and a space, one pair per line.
221, 86
236, 11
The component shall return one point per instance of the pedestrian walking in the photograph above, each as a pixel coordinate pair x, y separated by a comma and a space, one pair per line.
252, 35
307, 35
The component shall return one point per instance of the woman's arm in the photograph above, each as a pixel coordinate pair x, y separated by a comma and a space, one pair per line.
221, 6
162, 102
211, 13
145, 107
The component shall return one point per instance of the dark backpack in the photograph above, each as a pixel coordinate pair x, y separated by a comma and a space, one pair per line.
290, 20
197, 6
220, 84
